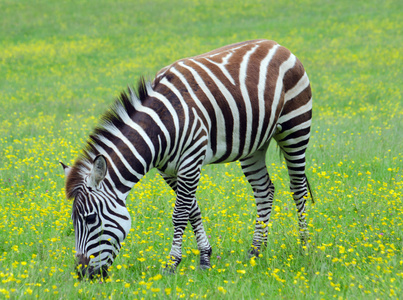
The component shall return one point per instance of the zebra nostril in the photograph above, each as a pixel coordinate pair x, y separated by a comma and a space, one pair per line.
82, 259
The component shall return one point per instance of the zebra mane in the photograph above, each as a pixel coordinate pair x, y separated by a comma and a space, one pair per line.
124, 104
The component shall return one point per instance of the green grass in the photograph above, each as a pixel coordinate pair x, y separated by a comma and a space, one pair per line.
63, 63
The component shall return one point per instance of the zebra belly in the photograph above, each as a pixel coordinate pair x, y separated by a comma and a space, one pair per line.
226, 154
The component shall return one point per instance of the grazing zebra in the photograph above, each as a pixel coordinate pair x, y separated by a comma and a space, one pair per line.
221, 106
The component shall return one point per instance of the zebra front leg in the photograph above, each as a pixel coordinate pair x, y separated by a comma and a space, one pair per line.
201, 238
186, 209
180, 219
203, 244
175, 255
255, 171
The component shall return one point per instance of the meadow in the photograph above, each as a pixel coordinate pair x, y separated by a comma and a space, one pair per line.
62, 64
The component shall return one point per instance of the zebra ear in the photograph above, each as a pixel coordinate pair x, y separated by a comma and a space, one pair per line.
66, 169
98, 171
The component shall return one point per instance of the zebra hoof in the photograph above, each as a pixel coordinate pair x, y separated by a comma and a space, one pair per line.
170, 267
253, 252
304, 249
205, 259
168, 270
204, 267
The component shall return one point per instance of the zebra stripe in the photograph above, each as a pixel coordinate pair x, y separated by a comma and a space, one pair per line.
221, 106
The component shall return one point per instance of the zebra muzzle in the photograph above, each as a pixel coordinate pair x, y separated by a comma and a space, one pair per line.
84, 270
82, 265
92, 273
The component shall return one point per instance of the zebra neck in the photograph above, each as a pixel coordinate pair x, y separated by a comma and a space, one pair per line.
131, 151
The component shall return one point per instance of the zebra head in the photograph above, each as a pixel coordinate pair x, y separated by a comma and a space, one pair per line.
101, 220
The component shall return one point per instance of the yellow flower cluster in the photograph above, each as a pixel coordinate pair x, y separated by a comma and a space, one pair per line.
54, 86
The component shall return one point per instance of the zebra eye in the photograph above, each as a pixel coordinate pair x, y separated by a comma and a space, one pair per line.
90, 219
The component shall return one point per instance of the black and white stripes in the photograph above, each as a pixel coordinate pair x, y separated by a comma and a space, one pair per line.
221, 106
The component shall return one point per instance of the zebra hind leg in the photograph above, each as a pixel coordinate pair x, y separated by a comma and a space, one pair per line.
255, 170
298, 187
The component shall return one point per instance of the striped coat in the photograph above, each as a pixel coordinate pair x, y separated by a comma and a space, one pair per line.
221, 106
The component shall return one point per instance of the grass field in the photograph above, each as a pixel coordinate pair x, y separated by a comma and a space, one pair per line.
63, 62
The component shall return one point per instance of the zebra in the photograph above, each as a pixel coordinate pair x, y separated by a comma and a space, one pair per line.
222, 106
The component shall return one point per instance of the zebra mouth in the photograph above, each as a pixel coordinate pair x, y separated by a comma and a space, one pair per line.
85, 270
92, 273
92, 270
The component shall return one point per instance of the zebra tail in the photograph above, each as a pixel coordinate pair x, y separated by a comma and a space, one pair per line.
310, 190
280, 153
